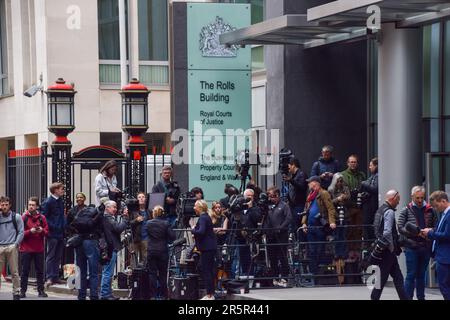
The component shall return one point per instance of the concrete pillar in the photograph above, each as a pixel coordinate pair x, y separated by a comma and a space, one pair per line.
3, 154
399, 110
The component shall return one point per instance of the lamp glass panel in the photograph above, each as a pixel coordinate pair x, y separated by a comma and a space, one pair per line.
138, 115
63, 115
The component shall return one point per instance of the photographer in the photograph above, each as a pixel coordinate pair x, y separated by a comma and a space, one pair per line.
325, 167
387, 240
420, 215
139, 232
370, 205
229, 190
198, 193
277, 221
320, 214
353, 178
160, 235
106, 182
206, 243
250, 217
297, 191
87, 226
112, 230
171, 191
340, 195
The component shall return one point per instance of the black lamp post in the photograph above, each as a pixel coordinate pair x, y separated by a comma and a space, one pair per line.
135, 123
61, 122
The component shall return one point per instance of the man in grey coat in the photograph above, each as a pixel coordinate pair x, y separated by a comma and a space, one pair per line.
11, 235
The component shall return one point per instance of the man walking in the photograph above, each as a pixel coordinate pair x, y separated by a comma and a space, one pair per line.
11, 235
386, 231
441, 241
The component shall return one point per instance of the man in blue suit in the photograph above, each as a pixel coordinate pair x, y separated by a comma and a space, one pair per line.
441, 241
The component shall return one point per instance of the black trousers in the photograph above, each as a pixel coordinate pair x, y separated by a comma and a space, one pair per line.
278, 256
25, 262
389, 266
157, 266
207, 260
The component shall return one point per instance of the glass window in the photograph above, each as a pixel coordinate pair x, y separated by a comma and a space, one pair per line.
447, 70
447, 135
431, 62
3, 51
108, 29
152, 17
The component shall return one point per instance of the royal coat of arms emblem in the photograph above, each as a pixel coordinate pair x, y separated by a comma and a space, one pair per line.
209, 40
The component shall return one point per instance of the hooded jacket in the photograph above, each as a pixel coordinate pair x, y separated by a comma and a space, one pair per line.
33, 242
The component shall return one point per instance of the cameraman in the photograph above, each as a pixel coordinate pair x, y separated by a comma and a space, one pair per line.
297, 191
386, 232
249, 221
198, 193
277, 222
417, 250
171, 191
230, 191
106, 182
87, 223
112, 230
353, 178
160, 235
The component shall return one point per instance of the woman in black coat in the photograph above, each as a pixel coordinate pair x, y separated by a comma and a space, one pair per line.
206, 243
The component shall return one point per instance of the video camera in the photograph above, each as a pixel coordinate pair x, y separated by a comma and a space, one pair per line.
185, 208
243, 163
285, 156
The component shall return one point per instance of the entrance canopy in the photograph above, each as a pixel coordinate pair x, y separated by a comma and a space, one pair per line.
337, 21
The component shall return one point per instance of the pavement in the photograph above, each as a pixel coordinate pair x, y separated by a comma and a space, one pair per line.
326, 293
6, 293
62, 292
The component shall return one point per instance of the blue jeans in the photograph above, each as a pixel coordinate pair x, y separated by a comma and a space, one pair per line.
315, 250
107, 275
88, 254
416, 265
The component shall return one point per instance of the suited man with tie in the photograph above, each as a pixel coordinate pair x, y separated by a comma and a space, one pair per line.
441, 241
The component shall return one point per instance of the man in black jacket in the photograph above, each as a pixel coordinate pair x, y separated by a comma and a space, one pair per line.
370, 204
385, 230
87, 223
171, 191
160, 235
297, 192
112, 230
277, 221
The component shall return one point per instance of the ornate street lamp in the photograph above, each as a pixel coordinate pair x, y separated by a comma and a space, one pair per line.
60, 102
135, 110
135, 123
61, 122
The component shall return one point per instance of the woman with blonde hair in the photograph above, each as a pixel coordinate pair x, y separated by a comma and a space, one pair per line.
220, 222
160, 234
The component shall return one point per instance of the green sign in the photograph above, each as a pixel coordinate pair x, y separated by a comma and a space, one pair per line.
219, 95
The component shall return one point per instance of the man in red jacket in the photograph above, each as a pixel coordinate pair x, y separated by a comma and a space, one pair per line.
32, 247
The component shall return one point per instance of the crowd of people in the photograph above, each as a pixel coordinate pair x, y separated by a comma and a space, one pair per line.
332, 204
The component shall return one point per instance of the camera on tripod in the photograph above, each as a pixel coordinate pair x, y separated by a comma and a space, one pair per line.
185, 208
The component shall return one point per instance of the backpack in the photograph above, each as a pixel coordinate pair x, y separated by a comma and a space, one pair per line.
82, 221
14, 222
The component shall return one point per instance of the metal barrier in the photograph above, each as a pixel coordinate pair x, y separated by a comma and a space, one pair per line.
300, 263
